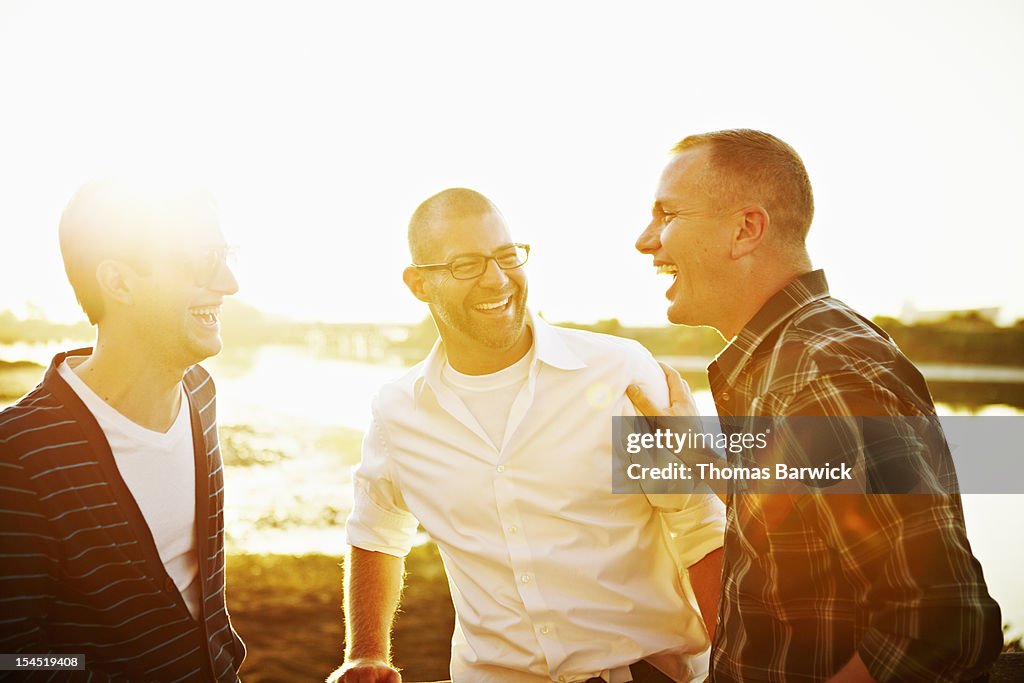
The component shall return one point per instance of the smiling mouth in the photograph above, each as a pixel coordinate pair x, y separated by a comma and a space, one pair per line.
669, 269
493, 305
208, 315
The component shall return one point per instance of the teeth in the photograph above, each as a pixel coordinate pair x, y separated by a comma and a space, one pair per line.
491, 307
209, 314
666, 269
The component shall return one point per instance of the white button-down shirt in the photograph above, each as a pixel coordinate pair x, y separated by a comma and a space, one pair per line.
553, 576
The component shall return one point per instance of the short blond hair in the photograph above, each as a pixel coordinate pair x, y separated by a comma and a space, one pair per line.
746, 164
120, 218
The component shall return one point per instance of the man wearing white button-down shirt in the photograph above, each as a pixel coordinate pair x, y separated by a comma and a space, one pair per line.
499, 444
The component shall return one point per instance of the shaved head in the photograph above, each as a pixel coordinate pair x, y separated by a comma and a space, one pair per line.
425, 226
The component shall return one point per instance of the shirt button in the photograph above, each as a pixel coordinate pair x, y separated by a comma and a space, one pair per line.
545, 629
500, 468
725, 396
525, 578
513, 529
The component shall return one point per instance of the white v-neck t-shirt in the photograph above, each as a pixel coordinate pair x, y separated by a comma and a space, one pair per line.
159, 470
489, 398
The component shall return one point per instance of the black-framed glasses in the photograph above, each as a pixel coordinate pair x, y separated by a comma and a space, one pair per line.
469, 266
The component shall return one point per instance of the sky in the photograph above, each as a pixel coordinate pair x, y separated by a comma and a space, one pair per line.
321, 126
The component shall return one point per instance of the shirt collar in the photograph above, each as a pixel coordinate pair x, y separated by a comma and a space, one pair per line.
727, 366
53, 372
548, 348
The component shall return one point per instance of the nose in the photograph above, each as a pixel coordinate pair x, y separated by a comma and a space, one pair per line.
224, 282
649, 240
493, 276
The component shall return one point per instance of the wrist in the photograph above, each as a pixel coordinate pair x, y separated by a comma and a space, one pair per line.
364, 659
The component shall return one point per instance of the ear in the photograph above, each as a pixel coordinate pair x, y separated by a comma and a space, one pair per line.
114, 279
750, 231
417, 284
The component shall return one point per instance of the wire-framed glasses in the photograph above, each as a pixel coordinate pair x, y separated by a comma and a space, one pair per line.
469, 266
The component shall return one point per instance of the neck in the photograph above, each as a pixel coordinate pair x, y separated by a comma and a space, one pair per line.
753, 295
469, 358
129, 381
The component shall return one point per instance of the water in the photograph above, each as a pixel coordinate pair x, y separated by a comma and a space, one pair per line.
291, 422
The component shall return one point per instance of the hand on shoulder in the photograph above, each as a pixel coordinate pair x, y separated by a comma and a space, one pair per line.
681, 402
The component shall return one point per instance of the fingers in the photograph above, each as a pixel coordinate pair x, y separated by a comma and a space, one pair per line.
680, 398
640, 400
678, 389
371, 675
365, 673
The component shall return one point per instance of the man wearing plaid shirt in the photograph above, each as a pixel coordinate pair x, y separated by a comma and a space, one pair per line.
815, 587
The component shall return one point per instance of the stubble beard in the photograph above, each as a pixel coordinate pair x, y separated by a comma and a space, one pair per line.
483, 331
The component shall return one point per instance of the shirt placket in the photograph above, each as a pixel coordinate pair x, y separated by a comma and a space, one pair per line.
521, 558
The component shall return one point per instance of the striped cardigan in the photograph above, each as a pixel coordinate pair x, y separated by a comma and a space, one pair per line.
79, 571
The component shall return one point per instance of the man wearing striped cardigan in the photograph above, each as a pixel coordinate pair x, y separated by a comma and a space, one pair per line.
111, 516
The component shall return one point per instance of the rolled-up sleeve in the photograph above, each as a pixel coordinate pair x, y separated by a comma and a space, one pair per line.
697, 529
379, 520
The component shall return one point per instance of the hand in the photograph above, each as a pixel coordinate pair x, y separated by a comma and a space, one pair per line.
680, 404
365, 671
680, 399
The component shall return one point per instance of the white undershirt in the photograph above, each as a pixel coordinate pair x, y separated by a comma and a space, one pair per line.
489, 398
159, 470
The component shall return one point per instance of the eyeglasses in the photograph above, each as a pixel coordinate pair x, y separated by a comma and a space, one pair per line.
469, 266
207, 263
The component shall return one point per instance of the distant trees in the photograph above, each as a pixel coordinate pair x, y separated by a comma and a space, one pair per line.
39, 330
958, 339
961, 339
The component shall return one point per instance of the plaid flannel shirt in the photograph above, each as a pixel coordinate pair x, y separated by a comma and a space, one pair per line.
811, 580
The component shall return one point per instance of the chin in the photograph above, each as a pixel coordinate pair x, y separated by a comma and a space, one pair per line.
516, 338
678, 315
200, 351
503, 342
674, 317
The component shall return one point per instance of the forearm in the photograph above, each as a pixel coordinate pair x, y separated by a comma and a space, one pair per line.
373, 585
706, 581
